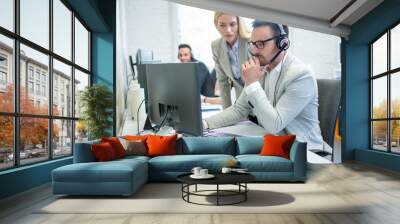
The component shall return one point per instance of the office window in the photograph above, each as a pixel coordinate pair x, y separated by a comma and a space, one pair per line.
6, 142
7, 14
37, 89
3, 78
81, 131
55, 102
62, 137
31, 88
35, 21
81, 45
30, 73
3, 61
44, 91
62, 74
37, 74
3, 72
45, 131
62, 29
40, 62
379, 56
385, 94
395, 47
81, 81
6, 73
34, 144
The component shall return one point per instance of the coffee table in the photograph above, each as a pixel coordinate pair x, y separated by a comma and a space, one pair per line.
238, 179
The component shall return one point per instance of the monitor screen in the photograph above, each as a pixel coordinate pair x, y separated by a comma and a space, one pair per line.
174, 96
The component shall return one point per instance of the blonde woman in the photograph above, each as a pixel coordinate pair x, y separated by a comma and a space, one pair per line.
229, 53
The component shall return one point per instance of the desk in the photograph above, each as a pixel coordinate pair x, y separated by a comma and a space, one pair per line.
244, 128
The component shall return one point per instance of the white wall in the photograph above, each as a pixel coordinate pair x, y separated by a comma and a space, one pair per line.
321, 52
145, 24
121, 65
152, 25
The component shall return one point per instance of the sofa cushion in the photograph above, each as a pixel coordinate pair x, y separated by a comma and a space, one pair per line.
130, 158
249, 145
83, 152
204, 145
185, 163
257, 163
112, 171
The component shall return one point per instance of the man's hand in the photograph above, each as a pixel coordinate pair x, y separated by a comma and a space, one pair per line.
251, 71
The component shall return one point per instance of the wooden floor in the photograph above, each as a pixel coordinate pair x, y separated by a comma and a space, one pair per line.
377, 188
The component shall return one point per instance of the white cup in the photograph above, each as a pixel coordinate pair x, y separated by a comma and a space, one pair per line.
203, 172
226, 170
196, 171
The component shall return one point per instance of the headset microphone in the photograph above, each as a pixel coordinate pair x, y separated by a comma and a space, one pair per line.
275, 56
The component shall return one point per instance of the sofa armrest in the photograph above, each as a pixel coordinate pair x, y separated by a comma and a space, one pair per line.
298, 155
83, 152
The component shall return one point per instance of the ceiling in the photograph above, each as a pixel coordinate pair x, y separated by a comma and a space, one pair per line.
325, 16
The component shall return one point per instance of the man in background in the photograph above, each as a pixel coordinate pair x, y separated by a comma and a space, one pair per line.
206, 80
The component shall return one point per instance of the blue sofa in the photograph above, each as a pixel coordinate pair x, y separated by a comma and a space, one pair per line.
125, 176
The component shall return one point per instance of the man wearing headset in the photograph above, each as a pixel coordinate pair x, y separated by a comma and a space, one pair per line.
279, 89
207, 84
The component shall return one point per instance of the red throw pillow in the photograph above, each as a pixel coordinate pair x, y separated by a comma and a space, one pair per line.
116, 145
103, 152
161, 145
277, 145
142, 138
136, 137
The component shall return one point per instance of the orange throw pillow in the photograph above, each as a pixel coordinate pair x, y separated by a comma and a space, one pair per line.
136, 137
103, 152
277, 145
161, 145
116, 145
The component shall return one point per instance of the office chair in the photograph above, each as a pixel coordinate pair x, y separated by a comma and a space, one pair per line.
329, 94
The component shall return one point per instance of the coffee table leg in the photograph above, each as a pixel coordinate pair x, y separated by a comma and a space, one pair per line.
245, 191
196, 188
188, 189
217, 194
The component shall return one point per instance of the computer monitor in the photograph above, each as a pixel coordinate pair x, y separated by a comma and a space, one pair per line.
174, 96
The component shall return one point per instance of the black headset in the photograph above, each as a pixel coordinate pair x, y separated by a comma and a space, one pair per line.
282, 41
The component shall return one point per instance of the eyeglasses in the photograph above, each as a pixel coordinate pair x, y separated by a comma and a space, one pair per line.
260, 44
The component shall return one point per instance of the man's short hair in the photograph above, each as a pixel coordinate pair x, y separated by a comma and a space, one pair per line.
274, 26
185, 46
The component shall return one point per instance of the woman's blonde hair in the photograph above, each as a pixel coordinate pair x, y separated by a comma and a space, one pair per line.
244, 31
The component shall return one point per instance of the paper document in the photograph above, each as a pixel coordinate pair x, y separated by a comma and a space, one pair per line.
244, 128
